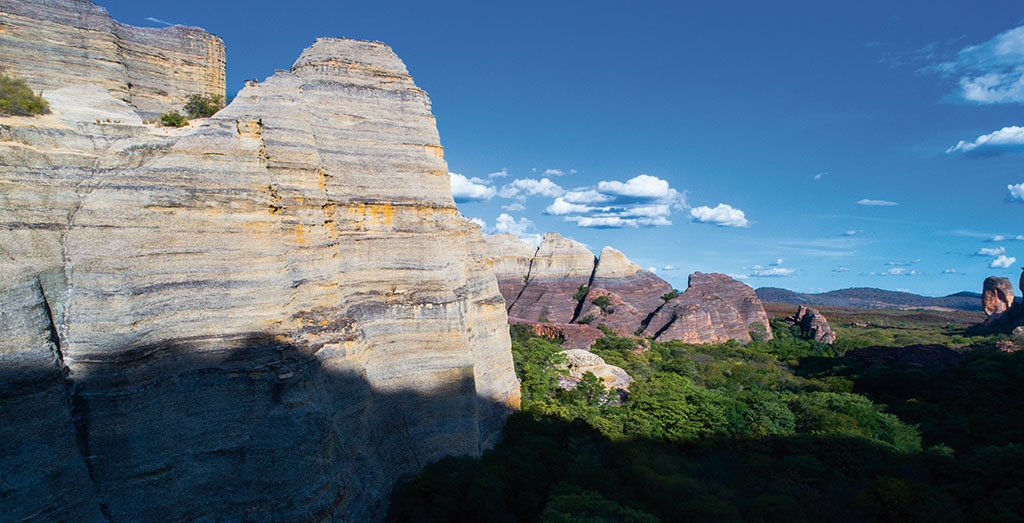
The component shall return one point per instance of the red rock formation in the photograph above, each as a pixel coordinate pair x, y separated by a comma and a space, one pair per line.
813, 324
996, 295
714, 308
572, 335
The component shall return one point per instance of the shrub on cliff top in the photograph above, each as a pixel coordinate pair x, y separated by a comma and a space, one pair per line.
17, 98
173, 119
202, 106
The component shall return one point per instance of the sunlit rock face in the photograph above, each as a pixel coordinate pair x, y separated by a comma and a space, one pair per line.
550, 284
59, 43
270, 315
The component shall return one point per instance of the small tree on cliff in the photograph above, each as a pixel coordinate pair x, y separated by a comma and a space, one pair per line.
17, 98
202, 106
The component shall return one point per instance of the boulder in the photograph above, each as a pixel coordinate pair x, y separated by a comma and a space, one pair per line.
714, 308
580, 362
812, 324
996, 295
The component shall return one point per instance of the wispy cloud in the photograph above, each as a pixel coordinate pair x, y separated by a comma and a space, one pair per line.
900, 271
513, 207
820, 175
1007, 139
758, 271
722, 215
876, 203
841, 268
852, 232
470, 189
498, 174
1002, 262
992, 71
559, 172
951, 271
159, 21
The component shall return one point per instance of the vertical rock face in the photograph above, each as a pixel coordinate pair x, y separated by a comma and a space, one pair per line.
153, 69
618, 294
714, 308
996, 295
556, 272
268, 317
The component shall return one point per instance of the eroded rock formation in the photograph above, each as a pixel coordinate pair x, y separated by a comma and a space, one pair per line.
59, 43
580, 362
812, 324
616, 293
267, 317
996, 295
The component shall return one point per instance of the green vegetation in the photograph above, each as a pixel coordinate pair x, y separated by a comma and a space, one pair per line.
602, 302
202, 106
670, 295
581, 293
17, 98
780, 430
173, 119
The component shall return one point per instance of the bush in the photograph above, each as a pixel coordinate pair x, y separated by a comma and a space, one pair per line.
173, 119
17, 98
602, 302
668, 296
201, 106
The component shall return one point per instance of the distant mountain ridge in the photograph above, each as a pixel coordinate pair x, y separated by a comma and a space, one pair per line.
870, 298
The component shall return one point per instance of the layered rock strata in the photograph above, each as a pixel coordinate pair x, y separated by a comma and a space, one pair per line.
267, 317
60, 43
618, 294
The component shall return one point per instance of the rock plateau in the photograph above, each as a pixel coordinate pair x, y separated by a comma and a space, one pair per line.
268, 316
563, 282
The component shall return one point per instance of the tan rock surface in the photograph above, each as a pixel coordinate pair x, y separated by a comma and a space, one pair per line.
580, 362
996, 295
154, 69
271, 314
558, 269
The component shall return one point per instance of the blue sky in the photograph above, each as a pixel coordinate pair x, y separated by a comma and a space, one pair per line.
812, 145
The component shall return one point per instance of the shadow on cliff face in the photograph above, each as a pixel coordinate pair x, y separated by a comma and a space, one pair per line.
189, 431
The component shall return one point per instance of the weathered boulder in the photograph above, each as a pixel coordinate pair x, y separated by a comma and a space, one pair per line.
996, 295
270, 316
580, 362
812, 324
60, 43
714, 308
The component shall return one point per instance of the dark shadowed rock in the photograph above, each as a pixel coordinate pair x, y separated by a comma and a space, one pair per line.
996, 295
812, 324
912, 355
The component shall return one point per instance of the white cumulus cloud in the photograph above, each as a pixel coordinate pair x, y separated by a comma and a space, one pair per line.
876, 203
642, 201
561, 207
524, 187
1006, 139
991, 251
1016, 192
1002, 262
506, 224
478, 221
722, 215
470, 189
642, 187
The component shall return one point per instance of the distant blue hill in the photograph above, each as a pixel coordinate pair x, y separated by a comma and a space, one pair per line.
868, 298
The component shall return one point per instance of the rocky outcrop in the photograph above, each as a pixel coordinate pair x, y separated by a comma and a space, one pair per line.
580, 362
270, 316
570, 335
632, 292
714, 308
614, 292
812, 324
60, 43
555, 273
996, 295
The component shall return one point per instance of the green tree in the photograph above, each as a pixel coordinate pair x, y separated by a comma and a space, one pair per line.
173, 119
203, 106
17, 98
602, 302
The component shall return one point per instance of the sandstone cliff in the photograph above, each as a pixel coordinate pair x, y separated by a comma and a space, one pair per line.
60, 43
267, 317
562, 282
